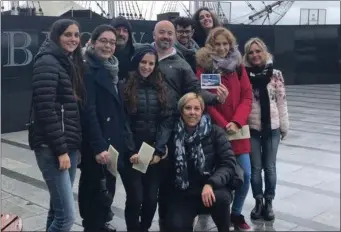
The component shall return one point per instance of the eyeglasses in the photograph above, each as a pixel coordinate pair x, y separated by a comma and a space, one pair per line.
106, 41
182, 32
256, 51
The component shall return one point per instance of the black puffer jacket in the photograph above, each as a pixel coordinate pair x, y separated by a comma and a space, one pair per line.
220, 161
150, 123
55, 113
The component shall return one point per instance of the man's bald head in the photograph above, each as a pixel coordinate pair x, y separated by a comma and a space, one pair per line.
164, 24
164, 34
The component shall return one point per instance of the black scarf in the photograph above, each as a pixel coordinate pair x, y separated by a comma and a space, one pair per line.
260, 78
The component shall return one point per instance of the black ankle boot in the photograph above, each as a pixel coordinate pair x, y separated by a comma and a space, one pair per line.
268, 213
256, 212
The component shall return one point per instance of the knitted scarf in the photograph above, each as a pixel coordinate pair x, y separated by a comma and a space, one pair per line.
110, 64
228, 64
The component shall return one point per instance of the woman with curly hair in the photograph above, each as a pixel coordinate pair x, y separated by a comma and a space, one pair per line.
221, 56
146, 99
205, 20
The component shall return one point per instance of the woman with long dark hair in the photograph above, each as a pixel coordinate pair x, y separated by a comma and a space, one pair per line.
55, 129
146, 99
205, 20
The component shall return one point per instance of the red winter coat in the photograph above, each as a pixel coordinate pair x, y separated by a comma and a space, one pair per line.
237, 106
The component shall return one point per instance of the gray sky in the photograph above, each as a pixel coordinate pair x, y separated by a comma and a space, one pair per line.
240, 8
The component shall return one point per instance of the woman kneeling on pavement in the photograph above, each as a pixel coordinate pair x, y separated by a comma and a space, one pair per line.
202, 166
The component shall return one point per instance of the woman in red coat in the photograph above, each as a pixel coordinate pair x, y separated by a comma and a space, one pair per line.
221, 55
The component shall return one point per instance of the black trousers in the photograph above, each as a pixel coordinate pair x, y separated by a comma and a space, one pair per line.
94, 202
183, 208
165, 190
141, 199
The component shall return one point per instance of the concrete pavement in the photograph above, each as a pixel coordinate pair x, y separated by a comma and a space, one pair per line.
308, 171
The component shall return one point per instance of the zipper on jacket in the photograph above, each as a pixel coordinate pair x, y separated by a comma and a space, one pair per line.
147, 99
62, 110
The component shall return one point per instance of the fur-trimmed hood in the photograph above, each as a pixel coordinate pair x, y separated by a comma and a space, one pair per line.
204, 57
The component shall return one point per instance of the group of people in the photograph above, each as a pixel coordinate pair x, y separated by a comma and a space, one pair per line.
113, 92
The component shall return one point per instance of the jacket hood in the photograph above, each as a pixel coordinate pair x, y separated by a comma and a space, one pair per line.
121, 21
204, 57
51, 48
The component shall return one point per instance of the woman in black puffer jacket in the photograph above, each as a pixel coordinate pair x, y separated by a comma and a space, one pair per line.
203, 167
55, 131
146, 100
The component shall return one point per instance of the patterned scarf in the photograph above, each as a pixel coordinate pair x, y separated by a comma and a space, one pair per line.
194, 151
191, 50
228, 64
110, 64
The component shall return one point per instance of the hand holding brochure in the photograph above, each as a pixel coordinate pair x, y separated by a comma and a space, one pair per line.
112, 162
145, 156
243, 133
210, 81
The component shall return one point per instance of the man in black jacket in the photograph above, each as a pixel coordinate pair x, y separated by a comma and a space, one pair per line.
124, 45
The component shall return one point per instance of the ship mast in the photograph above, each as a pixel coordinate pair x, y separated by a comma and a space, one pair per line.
111, 8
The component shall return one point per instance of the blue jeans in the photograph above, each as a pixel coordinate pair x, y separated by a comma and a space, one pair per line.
61, 215
241, 193
263, 156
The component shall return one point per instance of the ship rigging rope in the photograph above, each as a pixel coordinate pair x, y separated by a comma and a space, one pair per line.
135, 11
138, 9
103, 12
127, 5
120, 8
151, 11
126, 9
174, 6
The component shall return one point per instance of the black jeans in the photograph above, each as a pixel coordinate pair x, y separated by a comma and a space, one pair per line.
141, 200
184, 207
94, 208
165, 189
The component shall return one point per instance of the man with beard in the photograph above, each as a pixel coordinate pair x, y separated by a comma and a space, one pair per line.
180, 79
185, 44
124, 45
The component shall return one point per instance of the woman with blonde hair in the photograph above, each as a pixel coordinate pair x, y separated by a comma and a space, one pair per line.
268, 123
202, 169
221, 55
